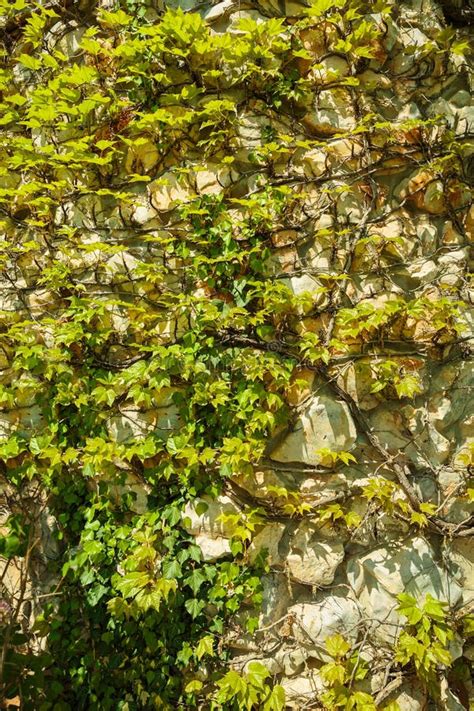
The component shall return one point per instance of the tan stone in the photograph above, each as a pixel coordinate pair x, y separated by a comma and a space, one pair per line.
316, 565
312, 560
133, 423
142, 157
267, 540
213, 179
316, 39
300, 387
333, 113
166, 193
425, 192
325, 423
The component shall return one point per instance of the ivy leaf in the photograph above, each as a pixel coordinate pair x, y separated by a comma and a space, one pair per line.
194, 607
276, 701
334, 673
193, 686
434, 608
337, 646
257, 674
171, 569
205, 646
131, 583
29, 62
195, 580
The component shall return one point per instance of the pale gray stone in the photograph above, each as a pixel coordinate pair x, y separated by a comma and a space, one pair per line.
204, 516
460, 554
302, 690
379, 576
276, 598
330, 614
411, 696
212, 548
267, 540
326, 423
313, 560
133, 423
292, 661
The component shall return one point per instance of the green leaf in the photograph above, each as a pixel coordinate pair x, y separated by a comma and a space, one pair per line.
195, 580
205, 646
193, 686
171, 569
131, 583
337, 646
29, 62
257, 673
276, 701
194, 607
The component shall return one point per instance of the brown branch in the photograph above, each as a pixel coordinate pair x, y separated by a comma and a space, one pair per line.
435, 523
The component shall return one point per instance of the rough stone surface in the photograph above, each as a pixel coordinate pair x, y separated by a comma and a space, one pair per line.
313, 561
266, 542
375, 222
378, 577
202, 519
328, 615
325, 423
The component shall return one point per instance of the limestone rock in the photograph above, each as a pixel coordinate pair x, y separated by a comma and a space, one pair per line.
143, 212
448, 700
203, 516
313, 561
125, 483
333, 113
302, 690
257, 483
317, 564
423, 191
316, 621
292, 661
215, 12
315, 163
212, 548
379, 576
325, 423
66, 42
356, 379
267, 540
350, 205
202, 519
276, 598
331, 67
406, 428
411, 696
166, 193
460, 552
142, 157
213, 179
25, 421
269, 663
133, 423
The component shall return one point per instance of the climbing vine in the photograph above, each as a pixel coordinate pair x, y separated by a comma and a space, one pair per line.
162, 186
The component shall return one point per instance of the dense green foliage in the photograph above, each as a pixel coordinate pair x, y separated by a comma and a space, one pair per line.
199, 325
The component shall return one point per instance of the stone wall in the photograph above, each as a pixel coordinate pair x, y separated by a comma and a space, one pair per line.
377, 220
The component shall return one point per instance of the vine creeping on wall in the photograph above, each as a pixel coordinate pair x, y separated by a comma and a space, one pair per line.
236, 439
